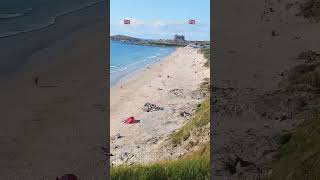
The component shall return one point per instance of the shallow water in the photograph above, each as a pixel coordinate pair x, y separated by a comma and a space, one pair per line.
19, 16
126, 58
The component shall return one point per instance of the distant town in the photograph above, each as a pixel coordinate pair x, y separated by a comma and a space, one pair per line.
177, 40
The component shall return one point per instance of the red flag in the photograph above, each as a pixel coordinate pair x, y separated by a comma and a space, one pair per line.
192, 21
126, 21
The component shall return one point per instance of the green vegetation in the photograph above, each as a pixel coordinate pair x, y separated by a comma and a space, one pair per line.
124, 38
310, 9
206, 53
205, 85
145, 42
299, 155
307, 74
166, 44
192, 167
200, 118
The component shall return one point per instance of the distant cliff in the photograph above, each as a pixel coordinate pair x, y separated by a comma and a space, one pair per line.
125, 38
160, 42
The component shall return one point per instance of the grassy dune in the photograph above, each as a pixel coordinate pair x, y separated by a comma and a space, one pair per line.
299, 153
299, 156
206, 53
193, 167
201, 118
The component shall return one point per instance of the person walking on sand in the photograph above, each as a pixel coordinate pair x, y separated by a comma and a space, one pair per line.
36, 80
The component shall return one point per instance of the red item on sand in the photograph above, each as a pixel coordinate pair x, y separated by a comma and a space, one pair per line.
130, 120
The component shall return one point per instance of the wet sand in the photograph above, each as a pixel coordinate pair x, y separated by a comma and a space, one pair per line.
60, 126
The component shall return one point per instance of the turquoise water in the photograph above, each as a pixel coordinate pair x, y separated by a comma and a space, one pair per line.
126, 58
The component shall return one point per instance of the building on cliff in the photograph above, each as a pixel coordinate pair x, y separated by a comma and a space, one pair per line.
179, 38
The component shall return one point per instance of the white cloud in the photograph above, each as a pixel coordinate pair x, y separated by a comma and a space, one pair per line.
160, 29
154, 23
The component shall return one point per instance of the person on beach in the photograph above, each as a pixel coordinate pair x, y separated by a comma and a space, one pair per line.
36, 80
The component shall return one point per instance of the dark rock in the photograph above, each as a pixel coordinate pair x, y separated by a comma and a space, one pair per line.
244, 163
184, 114
283, 117
148, 107
274, 33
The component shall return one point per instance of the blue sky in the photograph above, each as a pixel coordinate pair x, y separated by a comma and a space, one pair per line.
161, 19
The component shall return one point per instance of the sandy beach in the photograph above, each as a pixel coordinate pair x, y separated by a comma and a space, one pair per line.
59, 127
168, 84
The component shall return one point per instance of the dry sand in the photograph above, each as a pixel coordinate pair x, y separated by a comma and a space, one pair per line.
169, 84
59, 127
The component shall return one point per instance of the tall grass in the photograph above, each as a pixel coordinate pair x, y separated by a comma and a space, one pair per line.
299, 155
192, 167
200, 118
308, 74
206, 53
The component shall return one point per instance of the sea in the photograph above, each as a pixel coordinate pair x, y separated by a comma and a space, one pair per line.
126, 59
19, 16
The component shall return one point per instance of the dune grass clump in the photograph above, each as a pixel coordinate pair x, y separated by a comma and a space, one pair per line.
206, 53
299, 155
200, 118
192, 167
307, 74
310, 56
205, 85
310, 9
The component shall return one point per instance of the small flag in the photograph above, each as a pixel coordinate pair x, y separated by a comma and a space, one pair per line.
126, 21
192, 21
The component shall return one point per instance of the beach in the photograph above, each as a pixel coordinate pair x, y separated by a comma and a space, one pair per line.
59, 127
170, 85
256, 44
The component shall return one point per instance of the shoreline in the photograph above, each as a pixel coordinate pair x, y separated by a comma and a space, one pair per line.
164, 84
125, 77
51, 23
42, 39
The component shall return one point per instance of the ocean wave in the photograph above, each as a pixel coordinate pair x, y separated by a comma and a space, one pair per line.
127, 67
15, 15
151, 57
51, 22
9, 16
123, 69
137, 62
113, 66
